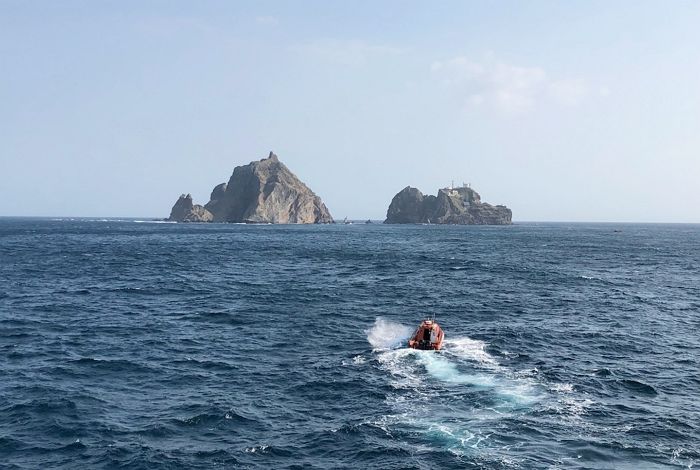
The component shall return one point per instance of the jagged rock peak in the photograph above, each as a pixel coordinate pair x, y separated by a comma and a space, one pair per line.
265, 191
185, 210
451, 206
182, 206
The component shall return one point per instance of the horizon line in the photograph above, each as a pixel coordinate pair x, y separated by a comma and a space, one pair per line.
361, 219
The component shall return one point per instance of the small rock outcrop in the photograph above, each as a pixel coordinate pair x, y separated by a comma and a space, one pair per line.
461, 206
185, 210
264, 191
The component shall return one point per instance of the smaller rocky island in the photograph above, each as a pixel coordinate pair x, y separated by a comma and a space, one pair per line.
262, 192
452, 205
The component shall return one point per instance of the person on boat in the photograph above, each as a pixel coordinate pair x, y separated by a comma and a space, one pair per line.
433, 336
426, 337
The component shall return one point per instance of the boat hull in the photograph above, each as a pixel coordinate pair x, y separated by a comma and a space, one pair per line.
428, 337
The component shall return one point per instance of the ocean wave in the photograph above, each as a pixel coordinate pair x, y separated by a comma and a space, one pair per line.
112, 365
638, 387
214, 417
43, 406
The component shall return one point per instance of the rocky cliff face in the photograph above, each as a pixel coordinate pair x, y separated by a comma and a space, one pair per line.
265, 191
450, 206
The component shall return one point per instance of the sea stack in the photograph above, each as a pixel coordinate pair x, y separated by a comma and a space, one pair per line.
265, 191
185, 210
461, 206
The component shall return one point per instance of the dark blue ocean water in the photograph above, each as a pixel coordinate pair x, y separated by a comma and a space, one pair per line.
145, 345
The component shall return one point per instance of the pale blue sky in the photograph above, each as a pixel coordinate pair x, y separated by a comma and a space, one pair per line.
564, 111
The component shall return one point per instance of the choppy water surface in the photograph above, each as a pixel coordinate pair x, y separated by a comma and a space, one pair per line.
144, 345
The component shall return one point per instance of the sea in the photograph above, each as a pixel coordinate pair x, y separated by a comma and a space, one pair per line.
134, 344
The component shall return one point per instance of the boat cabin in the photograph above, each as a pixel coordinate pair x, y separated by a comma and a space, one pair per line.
428, 336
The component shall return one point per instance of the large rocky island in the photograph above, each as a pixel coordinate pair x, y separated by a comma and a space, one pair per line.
264, 191
451, 206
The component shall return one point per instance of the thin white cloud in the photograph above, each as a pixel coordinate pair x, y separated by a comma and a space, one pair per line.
569, 92
512, 89
267, 20
174, 25
351, 52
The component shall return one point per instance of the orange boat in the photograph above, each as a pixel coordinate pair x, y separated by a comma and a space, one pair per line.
428, 336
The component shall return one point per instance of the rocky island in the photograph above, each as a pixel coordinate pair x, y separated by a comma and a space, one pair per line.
264, 191
451, 206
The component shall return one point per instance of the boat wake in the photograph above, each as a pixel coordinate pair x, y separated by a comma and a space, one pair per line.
462, 360
450, 397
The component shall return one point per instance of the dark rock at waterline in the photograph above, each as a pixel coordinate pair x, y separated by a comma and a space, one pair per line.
451, 206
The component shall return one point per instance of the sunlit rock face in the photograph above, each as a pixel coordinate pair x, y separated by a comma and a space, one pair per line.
264, 191
450, 206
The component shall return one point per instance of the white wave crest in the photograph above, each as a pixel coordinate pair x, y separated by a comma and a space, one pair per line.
402, 369
387, 335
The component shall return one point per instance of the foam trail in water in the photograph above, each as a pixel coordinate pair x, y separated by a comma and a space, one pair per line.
440, 366
387, 335
444, 370
452, 397
471, 349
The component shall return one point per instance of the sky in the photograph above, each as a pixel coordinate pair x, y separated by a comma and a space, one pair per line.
561, 110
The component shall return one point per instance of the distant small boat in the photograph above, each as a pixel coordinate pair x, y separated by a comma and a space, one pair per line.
346, 221
428, 336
